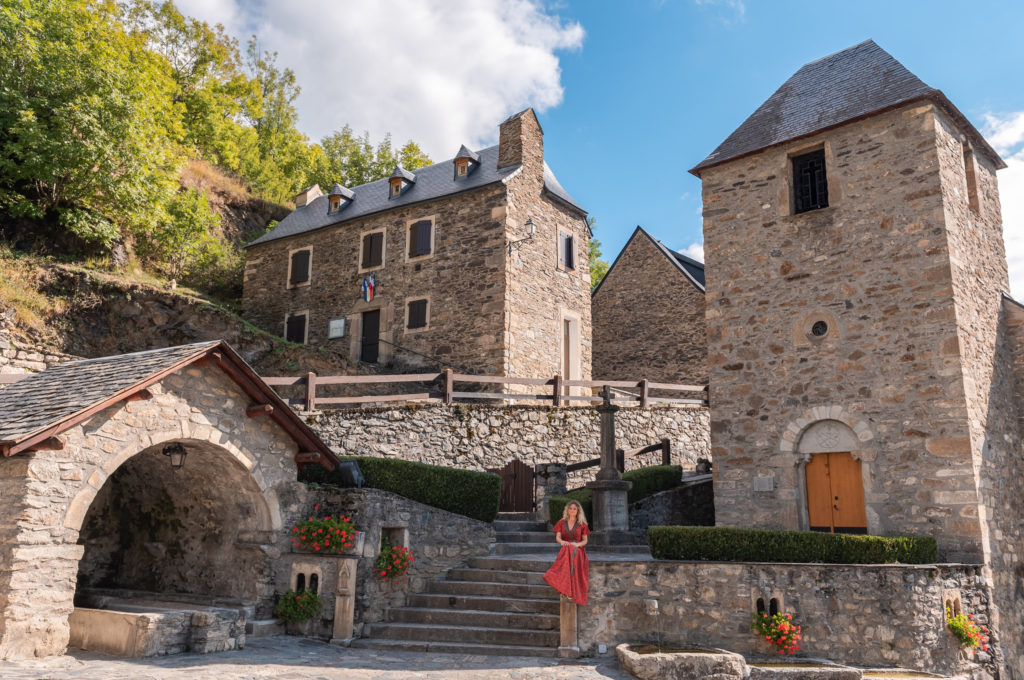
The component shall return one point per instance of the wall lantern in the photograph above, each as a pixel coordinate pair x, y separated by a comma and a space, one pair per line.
176, 452
531, 229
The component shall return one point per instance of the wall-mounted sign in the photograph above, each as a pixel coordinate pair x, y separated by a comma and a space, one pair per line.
336, 328
369, 284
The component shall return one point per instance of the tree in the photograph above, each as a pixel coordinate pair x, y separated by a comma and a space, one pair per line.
598, 267
353, 160
87, 120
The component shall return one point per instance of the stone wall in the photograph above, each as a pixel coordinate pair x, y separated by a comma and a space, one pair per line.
18, 356
690, 504
439, 541
875, 266
463, 278
885, 615
488, 437
649, 319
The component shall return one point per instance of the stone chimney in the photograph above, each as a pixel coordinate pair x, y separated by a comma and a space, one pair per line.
307, 195
521, 140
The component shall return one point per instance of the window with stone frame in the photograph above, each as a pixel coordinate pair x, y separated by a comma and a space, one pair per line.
417, 314
566, 250
461, 167
372, 251
295, 327
299, 267
420, 238
810, 184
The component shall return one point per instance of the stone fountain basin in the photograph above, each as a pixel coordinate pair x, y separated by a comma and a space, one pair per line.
683, 664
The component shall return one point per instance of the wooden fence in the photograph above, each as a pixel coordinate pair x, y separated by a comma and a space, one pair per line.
621, 456
441, 388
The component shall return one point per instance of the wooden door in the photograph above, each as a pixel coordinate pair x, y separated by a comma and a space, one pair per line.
835, 494
516, 487
370, 346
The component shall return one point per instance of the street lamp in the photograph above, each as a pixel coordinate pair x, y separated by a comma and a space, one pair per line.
176, 452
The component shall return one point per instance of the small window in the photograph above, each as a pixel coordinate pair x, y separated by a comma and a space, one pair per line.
419, 238
335, 204
971, 173
810, 186
566, 250
336, 328
300, 583
314, 583
396, 187
461, 167
373, 250
295, 328
417, 314
298, 270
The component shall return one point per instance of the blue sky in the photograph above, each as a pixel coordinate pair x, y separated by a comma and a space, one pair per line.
630, 94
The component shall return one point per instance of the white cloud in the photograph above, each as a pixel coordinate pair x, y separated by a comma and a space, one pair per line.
737, 10
694, 250
438, 72
1006, 134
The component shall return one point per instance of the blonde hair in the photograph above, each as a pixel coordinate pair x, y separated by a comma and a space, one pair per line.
581, 517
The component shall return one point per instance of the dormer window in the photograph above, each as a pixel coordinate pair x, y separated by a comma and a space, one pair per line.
335, 204
400, 180
338, 198
461, 167
465, 162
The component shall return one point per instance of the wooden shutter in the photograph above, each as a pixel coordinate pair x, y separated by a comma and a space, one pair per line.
413, 238
295, 330
300, 267
423, 237
373, 250
418, 314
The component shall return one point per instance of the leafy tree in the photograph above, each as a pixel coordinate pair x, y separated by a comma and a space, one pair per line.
353, 160
178, 241
598, 267
88, 121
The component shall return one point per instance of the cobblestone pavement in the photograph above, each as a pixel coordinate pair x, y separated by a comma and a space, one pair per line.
292, 658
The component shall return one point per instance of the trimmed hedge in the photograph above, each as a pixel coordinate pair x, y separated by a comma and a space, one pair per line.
646, 482
721, 544
465, 492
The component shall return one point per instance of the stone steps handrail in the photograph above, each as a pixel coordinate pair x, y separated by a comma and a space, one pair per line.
559, 394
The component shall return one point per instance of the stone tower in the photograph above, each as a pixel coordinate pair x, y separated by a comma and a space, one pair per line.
855, 282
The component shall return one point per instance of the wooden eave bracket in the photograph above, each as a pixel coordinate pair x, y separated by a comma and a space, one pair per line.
49, 444
259, 410
141, 395
304, 457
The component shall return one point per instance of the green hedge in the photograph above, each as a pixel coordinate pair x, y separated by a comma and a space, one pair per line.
469, 493
646, 482
721, 544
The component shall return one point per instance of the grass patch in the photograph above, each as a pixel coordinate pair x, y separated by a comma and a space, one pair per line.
19, 289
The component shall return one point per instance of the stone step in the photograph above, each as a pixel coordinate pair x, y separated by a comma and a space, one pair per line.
514, 517
467, 617
484, 603
533, 578
551, 548
476, 634
526, 537
502, 526
452, 648
507, 563
801, 670
264, 628
544, 592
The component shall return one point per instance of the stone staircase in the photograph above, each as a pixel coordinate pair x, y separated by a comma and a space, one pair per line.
497, 605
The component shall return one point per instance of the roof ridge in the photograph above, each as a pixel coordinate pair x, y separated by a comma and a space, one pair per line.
845, 49
140, 353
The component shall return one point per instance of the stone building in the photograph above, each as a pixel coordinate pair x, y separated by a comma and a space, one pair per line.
648, 315
167, 471
861, 345
479, 262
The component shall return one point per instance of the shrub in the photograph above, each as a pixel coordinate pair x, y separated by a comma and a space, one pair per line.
779, 630
393, 560
646, 482
296, 607
465, 492
331, 535
756, 545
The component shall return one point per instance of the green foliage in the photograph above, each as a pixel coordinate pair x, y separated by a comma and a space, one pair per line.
646, 482
721, 544
968, 631
184, 237
296, 607
465, 492
343, 157
598, 267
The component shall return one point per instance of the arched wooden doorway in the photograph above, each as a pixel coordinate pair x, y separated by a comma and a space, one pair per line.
832, 479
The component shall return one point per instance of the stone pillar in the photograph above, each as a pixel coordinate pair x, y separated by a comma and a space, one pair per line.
551, 481
568, 644
345, 601
611, 510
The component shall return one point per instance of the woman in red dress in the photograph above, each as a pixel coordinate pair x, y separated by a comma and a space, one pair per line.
570, 574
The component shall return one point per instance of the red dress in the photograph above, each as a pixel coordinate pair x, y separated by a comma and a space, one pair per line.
570, 574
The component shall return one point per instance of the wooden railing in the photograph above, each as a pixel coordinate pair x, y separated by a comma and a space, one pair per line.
441, 387
621, 456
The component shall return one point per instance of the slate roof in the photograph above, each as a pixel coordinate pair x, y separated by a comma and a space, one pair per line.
836, 89
399, 171
434, 181
46, 398
692, 269
468, 153
338, 190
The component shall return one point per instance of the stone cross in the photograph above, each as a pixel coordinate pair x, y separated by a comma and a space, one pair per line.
611, 512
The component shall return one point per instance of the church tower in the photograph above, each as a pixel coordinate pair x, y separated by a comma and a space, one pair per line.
855, 285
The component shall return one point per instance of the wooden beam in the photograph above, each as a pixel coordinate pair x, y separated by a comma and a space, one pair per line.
308, 457
51, 444
141, 395
259, 410
310, 391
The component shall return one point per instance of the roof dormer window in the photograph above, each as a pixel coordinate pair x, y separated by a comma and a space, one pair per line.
399, 181
339, 198
465, 162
